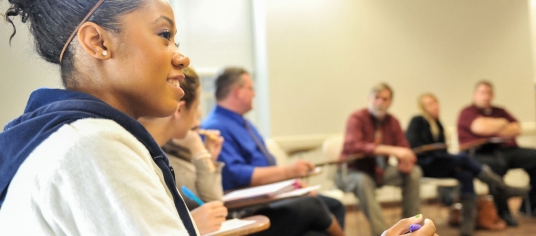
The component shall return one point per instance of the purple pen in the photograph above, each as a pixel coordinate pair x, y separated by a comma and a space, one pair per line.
414, 227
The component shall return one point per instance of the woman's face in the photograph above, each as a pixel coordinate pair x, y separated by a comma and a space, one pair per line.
431, 106
147, 65
189, 117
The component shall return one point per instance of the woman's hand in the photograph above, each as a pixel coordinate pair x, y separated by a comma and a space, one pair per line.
402, 227
209, 216
213, 142
192, 141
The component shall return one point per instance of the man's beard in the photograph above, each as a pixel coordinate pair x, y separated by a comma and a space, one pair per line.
377, 112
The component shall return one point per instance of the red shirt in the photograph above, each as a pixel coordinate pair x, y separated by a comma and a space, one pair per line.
360, 135
470, 113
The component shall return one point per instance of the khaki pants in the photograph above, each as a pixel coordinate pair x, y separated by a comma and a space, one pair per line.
364, 186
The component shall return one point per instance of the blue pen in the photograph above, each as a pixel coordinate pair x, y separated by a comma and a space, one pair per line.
191, 195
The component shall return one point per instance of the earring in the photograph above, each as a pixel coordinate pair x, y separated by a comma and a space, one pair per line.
104, 53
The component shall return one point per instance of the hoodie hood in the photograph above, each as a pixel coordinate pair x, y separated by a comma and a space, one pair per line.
49, 109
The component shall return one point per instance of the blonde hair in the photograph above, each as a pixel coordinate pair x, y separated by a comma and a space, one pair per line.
420, 104
434, 128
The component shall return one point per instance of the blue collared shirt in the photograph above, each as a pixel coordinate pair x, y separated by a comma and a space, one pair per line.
239, 152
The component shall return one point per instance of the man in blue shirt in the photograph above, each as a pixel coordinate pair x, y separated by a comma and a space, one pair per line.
247, 160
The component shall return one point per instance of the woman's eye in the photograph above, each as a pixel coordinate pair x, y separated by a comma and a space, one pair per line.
166, 35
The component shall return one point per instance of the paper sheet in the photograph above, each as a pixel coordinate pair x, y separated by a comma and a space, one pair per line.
230, 225
298, 192
257, 191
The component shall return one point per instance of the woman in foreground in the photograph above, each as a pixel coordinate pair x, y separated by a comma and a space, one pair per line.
77, 161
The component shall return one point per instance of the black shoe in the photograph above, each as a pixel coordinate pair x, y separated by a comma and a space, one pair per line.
510, 191
509, 219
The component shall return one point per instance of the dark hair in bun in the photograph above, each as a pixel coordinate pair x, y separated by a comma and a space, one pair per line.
189, 84
51, 22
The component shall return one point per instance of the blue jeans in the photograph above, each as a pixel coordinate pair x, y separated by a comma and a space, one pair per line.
445, 165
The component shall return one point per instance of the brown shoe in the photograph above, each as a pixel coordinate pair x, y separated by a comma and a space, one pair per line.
455, 214
487, 215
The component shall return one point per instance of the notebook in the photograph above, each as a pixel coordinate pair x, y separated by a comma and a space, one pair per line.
278, 190
263, 191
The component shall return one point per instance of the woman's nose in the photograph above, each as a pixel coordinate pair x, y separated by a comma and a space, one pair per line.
180, 60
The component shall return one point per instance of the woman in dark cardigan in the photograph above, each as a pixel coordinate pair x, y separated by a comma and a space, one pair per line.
426, 129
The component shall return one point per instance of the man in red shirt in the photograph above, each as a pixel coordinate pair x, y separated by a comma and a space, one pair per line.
376, 134
483, 120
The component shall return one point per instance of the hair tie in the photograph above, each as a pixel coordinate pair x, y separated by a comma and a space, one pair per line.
77, 27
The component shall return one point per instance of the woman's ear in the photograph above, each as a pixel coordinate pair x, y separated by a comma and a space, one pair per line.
95, 40
180, 110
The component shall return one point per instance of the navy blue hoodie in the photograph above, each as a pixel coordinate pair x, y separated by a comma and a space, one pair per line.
49, 109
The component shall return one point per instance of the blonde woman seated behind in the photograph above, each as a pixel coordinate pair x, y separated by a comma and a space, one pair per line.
425, 129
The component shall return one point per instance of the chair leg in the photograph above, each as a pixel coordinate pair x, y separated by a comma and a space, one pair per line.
394, 215
360, 214
528, 205
439, 218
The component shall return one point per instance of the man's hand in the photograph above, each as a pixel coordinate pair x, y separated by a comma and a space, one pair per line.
302, 184
488, 126
501, 127
406, 159
405, 166
511, 130
209, 216
300, 168
405, 155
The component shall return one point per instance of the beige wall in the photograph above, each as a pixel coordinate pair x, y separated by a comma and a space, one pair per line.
21, 70
324, 55
213, 33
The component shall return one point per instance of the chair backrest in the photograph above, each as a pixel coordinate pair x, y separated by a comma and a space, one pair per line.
451, 138
332, 148
280, 155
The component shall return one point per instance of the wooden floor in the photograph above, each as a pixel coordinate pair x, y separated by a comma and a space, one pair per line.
357, 224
